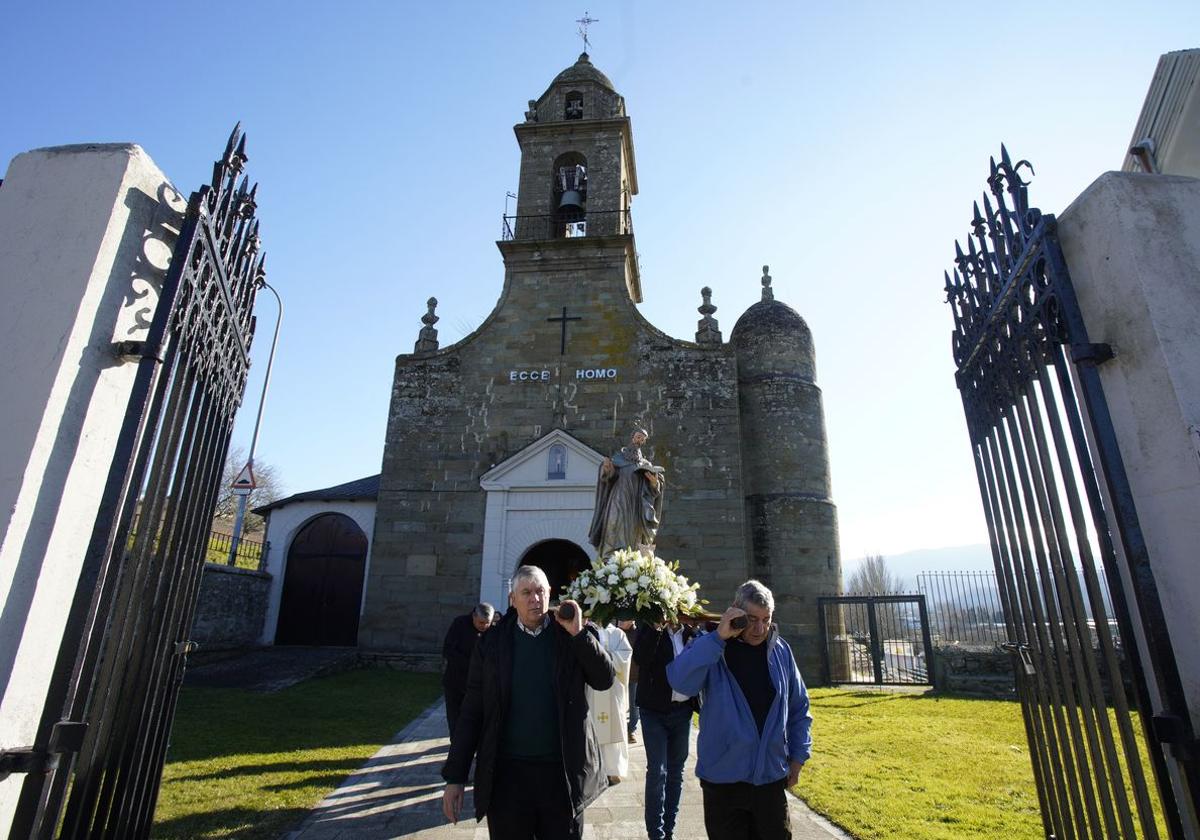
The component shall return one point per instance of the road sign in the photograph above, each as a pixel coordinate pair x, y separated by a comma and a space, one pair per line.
244, 484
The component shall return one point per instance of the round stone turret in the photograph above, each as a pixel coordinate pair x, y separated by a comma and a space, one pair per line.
773, 338
790, 517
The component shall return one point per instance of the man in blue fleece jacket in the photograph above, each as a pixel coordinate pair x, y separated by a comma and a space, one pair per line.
754, 719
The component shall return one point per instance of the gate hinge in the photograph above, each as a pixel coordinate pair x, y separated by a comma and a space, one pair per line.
1091, 354
185, 647
131, 350
65, 737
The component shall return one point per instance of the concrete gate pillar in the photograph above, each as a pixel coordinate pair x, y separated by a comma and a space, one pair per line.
1132, 242
86, 234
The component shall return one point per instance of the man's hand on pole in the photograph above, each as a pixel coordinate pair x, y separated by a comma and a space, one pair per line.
452, 801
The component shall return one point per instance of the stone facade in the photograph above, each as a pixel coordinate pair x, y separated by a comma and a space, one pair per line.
231, 607
738, 426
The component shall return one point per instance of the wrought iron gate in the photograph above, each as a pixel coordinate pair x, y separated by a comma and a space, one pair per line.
875, 639
1032, 397
95, 769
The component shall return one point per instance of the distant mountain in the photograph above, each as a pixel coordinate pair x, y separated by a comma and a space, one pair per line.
962, 558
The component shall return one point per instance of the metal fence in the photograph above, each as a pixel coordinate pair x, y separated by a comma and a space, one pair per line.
965, 608
566, 225
249, 551
875, 639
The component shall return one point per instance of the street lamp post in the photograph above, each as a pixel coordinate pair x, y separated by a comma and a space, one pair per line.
240, 488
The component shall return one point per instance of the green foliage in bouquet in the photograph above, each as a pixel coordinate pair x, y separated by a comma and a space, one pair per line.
628, 584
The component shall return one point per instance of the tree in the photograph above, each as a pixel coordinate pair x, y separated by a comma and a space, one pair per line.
268, 488
873, 577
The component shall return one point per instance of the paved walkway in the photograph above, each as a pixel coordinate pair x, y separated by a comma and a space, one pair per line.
398, 793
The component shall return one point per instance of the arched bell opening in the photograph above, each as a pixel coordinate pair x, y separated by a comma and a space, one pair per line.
323, 583
573, 105
561, 560
569, 198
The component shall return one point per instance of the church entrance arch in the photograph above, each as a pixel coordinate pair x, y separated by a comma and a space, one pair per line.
323, 583
561, 560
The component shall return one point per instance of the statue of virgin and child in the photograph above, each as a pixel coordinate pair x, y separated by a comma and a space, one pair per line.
629, 500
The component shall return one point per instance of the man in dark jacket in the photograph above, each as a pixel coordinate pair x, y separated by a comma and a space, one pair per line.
666, 724
457, 648
525, 720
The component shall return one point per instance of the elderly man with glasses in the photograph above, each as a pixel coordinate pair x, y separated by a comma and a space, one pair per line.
754, 719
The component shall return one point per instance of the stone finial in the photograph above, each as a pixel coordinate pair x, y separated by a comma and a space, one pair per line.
706, 330
768, 294
531, 114
427, 341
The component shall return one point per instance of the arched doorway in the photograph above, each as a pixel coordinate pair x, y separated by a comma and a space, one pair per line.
322, 587
561, 560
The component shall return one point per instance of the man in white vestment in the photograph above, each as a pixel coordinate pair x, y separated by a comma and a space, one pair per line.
610, 708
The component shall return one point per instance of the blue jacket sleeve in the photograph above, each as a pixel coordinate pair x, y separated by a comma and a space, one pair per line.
799, 719
687, 671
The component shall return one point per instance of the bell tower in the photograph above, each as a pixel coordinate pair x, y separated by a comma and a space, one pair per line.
578, 175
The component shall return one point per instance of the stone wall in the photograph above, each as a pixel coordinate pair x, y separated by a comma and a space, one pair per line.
231, 609
984, 671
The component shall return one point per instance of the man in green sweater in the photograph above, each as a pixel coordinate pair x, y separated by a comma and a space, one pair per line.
525, 720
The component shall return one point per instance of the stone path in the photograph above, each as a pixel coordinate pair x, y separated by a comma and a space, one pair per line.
398, 793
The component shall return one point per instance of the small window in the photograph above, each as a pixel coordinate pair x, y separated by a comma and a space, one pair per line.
574, 110
556, 468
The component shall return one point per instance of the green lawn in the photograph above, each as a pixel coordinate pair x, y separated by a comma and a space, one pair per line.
892, 766
249, 765
899, 766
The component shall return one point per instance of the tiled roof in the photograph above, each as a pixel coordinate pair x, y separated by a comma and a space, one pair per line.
363, 488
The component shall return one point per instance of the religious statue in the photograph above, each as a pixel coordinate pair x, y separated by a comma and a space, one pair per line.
629, 498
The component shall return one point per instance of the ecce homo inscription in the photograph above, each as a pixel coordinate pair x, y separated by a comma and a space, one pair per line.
544, 375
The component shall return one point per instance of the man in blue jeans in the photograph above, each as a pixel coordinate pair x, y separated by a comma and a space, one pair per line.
666, 717
754, 722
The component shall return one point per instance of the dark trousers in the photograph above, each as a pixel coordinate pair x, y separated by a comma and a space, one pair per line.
633, 707
742, 811
454, 701
530, 801
667, 738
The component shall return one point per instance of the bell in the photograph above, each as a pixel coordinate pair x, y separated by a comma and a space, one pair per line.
571, 200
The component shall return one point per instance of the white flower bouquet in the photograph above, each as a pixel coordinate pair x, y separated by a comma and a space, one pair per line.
629, 584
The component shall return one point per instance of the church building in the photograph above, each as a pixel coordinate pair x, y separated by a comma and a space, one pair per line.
493, 443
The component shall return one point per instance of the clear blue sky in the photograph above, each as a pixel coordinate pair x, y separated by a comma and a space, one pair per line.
842, 144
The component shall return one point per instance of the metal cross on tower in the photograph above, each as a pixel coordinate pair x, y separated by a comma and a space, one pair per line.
583, 27
563, 319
